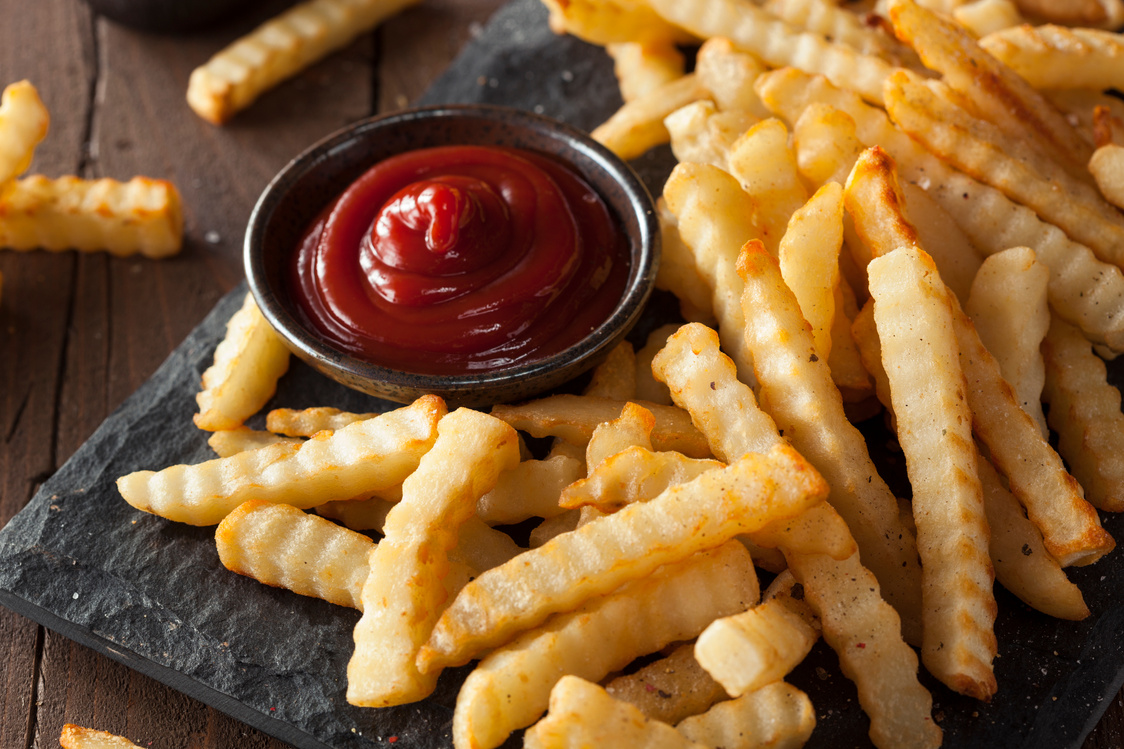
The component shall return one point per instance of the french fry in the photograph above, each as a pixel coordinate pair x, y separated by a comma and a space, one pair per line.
638, 125
1022, 564
728, 74
610, 21
574, 417
582, 715
142, 216
307, 422
1008, 307
626, 545
806, 405
1079, 105
669, 689
826, 145
368, 456
679, 272
1107, 168
995, 91
530, 489
809, 261
1085, 412
765, 166
777, 715
77, 737
279, 49
616, 376
641, 68
702, 134
248, 362
360, 514
1071, 12
233, 441
403, 594
632, 475
934, 427
847, 369
1051, 56
510, 688
844, 26
648, 388
23, 124
866, 336
754, 30
749, 650
983, 17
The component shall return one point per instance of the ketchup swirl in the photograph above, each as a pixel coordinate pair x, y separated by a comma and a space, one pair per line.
461, 258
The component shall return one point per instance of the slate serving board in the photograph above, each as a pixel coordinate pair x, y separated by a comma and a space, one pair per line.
152, 594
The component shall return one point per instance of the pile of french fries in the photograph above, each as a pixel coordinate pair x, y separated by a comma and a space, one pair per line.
874, 210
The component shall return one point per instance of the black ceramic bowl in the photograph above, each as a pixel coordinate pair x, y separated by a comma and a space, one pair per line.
316, 177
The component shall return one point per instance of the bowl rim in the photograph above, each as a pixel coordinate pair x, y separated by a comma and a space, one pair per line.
639, 287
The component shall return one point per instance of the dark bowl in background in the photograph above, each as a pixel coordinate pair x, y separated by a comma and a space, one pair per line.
169, 16
316, 177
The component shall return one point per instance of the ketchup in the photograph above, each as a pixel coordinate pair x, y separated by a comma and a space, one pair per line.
461, 258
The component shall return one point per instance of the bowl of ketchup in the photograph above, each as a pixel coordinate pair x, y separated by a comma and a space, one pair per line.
480, 253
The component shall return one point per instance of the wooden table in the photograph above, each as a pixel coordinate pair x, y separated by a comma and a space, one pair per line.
79, 333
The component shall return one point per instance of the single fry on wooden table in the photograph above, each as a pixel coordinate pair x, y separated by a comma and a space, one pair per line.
77, 737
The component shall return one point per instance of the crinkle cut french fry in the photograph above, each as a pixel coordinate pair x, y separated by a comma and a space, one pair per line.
1022, 564
248, 362
847, 369
229, 442
778, 715
1085, 412
609, 21
1070, 12
647, 386
368, 514
371, 455
632, 475
765, 166
996, 91
638, 125
574, 417
983, 17
728, 74
640, 67
670, 689
606, 552
1051, 56
510, 688
1107, 168
1083, 290
777, 43
679, 271
307, 422
825, 143
279, 49
845, 26
616, 376
927, 386
1053, 499
754, 648
582, 715
77, 737
807, 406
702, 134
141, 216
403, 594
530, 489
23, 124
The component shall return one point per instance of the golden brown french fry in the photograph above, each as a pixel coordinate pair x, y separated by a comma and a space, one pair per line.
1085, 412
368, 456
23, 124
308, 421
77, 737
641, 68
669, 689
279, 49
609, 21
934, 427
608, 551
233, 441
142, 216
777, 715
616, 376
248, 362
510, 688
403, 594
1051, 56
638, 125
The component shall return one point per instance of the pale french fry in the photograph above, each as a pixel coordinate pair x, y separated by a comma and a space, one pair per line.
809, 261
632, 428
583, 715
606, 22
616, 376
638, 125
233, 441
648, 388
403, 594
847, 369
702, 134
279, 49
1051, 56
307, 422
77, 737
778, 715
986, 153
1022, 564
1085, 412
360, 514
670, 689
574, 417
806, 405
728, 74
24, 121
248, 362
995, 91
1083, 290
641, 68
1071, 12
632, 475
866, 336
368, 456
142, 216
510, 688
553, 527
1107, 168
765, 166
826, 145
530, 489
626, 545
1008, 307
679, 271
786, 590
844, 26
934, 428
1071, 529
775, 42
1079, 105
749, 650
984, 17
